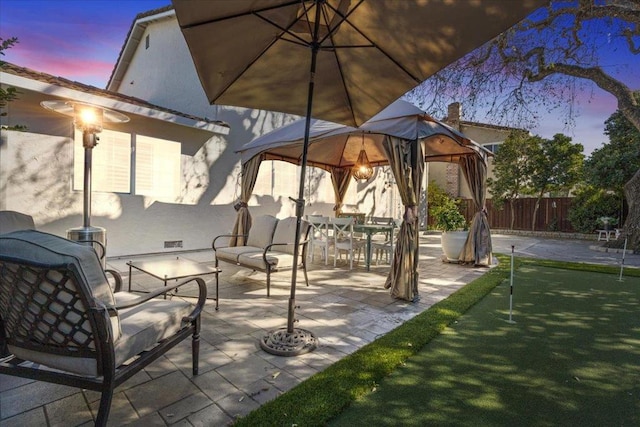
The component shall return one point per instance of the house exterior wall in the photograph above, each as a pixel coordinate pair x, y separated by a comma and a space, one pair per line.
448, 175
36, 172
164, 74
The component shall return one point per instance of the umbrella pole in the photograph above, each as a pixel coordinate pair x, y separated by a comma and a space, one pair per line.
296, 341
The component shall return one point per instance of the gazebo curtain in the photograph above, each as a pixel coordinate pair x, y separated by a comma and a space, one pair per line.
407, 165
477, 249
340, 178
248, 175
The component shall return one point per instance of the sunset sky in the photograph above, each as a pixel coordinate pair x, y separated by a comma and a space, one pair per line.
80, 40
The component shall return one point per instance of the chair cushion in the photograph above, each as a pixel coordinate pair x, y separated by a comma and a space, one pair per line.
14, 221
285, 233
231, 253
261, 231
143, 326
277, 260
44, 249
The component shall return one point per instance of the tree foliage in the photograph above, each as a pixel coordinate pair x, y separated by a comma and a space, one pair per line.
512, 168
611, 166
589, 204
556, 168
10, 93
549, 62
531, 165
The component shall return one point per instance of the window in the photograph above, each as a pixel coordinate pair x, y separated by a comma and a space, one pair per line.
111, 162
158, 167
493, 147
146, 42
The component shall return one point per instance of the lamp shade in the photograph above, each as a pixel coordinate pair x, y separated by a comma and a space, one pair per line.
362, 170
86, 117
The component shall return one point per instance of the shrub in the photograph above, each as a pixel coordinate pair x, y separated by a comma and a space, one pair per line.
447, 216
590, 204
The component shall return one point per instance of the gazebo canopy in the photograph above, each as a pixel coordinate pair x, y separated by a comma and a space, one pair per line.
337, 146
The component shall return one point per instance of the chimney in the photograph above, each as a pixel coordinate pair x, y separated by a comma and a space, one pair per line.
454, 113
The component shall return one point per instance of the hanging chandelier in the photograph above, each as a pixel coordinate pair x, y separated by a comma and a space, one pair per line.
362, 170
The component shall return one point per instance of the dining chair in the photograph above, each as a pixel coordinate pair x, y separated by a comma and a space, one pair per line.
319, 236
344, 240
385, 247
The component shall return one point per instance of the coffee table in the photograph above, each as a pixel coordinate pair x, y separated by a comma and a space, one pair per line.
173, 269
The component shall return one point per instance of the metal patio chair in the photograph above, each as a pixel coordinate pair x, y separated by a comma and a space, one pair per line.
60, 321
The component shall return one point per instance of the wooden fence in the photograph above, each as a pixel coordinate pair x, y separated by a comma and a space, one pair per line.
553, 214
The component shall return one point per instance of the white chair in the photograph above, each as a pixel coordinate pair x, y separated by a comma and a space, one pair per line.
320, 235
344, 240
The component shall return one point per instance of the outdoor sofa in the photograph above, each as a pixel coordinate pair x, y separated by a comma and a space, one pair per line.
270, 247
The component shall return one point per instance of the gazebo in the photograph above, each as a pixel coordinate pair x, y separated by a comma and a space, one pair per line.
401, 136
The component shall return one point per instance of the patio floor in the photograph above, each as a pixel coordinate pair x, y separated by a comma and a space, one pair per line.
344, 309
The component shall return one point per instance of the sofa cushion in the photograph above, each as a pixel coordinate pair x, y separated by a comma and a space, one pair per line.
261, 231
285, 233
276, 259
231, 253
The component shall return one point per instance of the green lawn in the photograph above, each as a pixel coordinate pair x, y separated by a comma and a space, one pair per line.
571, 358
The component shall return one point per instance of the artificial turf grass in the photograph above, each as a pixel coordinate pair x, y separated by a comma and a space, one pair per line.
571, 358
323, 396
318, 399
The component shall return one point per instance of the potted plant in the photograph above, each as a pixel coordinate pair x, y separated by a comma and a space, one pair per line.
448, 219
607, 222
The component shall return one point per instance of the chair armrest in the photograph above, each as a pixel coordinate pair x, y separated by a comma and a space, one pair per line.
202, 297
117, 278
268, 248
213, 244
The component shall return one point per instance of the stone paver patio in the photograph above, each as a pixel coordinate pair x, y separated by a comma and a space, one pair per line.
344, 309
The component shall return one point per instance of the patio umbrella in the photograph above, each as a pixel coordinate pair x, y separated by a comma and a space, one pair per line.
338, 60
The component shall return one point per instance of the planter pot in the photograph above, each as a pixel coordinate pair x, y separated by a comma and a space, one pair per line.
452, 243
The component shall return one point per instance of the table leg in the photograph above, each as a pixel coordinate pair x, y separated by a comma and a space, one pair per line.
368, 254
129, 276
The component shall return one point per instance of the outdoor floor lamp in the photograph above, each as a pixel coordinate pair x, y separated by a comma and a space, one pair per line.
89, 119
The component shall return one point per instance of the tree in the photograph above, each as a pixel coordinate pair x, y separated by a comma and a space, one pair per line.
512, 167
611, 166
556, 167
546, 61
10, 93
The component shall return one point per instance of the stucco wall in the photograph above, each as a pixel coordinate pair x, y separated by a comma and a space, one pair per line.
164, 74
35, 179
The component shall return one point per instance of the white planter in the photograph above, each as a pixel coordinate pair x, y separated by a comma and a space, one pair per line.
452, 244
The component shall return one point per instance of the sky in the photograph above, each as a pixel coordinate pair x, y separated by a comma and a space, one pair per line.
80, 40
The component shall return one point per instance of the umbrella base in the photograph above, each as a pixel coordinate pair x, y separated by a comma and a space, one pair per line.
283, 343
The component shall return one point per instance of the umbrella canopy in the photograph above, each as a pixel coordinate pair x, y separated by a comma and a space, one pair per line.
332, 145
354, 56
255, 53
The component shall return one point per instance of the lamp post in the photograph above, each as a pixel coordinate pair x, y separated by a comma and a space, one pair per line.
88, 119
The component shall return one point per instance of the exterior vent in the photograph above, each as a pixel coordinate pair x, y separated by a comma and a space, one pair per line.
173, 243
